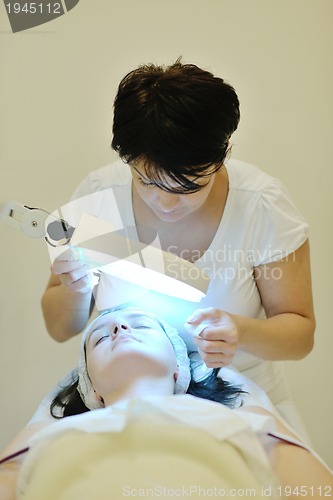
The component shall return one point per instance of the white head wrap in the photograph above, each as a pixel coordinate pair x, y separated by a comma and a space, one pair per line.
85, 387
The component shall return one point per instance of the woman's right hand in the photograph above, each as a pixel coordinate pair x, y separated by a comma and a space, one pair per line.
73, 272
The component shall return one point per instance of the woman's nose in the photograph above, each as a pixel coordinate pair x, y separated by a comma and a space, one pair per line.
119, 327
167, 201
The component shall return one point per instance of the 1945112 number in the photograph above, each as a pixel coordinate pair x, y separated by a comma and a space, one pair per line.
34, 8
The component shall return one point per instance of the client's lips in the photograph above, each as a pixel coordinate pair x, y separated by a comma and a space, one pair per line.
123, 337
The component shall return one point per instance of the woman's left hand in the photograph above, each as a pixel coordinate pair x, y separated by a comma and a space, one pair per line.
219, 338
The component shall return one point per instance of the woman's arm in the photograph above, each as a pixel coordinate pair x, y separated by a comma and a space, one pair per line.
286, 294
66, 312
8, 480
288, 331
68, 300
9, 470
301, 474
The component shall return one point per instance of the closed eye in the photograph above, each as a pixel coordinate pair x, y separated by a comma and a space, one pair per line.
101, 339
146, 183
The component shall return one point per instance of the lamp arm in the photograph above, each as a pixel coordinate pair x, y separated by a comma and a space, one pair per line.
32, 222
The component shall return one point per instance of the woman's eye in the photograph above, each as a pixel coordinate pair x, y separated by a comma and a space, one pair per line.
145, 183
101, 339
142, 326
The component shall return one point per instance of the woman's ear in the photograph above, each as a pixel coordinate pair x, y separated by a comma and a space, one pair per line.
175, 375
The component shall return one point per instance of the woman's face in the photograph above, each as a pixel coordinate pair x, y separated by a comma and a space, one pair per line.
171, 207
124, 345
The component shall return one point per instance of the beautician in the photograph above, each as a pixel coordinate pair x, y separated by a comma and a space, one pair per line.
172, 130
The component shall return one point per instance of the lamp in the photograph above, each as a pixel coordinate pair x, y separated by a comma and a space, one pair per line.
116, 252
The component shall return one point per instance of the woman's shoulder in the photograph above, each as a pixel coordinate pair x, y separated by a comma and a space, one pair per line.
244, 176
113, 174
116, 174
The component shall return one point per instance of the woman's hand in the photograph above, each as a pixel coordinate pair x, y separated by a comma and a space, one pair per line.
217, 342
73, 272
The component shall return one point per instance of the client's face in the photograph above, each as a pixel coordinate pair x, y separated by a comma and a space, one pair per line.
124, 345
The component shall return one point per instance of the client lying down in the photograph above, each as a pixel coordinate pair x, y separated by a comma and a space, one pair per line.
152, 430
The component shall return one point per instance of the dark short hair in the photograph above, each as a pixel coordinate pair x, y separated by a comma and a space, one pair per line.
176, 119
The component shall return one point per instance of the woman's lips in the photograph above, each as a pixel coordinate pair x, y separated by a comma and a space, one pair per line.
168, 213
123, 337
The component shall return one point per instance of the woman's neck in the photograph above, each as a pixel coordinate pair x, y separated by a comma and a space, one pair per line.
202, 224
140, 388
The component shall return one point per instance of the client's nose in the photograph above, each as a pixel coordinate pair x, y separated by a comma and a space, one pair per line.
118, 327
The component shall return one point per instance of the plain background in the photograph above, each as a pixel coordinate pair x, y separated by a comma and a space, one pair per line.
58, 82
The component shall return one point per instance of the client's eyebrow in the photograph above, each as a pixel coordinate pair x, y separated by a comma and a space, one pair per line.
143, 315
129, 317
96, 329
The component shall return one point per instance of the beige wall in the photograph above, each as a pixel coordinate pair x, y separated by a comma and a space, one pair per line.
57, 86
